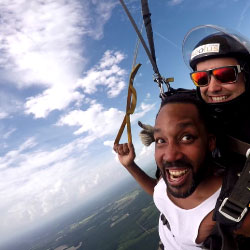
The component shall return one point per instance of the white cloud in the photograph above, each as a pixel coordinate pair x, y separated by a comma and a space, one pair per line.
98, 122
35, 182
146, 151
143, 109
175, 2
102, 10
107, 73
33, 45
3, 115
53, 98
42, 44
8, 133
9, 104
32, 176
108, 143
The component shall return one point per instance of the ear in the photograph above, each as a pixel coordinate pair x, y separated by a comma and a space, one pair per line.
211, 142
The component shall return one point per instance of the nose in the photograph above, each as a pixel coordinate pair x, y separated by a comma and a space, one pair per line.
214, 85
172, 153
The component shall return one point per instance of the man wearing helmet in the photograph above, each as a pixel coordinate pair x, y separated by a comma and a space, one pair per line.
220, 61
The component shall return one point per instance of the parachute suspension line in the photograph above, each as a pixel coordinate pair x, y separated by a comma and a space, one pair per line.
131, 103
151, 54
139, 35
136, 48
149, 31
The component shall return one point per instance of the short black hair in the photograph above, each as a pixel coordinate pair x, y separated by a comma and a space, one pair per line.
190, 98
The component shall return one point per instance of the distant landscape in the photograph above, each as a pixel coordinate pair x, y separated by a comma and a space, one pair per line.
122, 219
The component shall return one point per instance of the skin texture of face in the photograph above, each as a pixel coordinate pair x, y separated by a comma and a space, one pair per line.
181, 147
215, 92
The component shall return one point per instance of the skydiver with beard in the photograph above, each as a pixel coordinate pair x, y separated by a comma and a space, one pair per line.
190, 185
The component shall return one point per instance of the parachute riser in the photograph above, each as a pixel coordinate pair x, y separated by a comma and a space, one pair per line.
150, 52
160, 81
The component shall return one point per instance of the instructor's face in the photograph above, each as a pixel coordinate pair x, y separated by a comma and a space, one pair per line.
215, 91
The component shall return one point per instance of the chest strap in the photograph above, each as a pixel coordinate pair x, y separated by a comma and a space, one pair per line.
234, 207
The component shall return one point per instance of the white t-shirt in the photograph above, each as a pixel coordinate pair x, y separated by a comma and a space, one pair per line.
184, 223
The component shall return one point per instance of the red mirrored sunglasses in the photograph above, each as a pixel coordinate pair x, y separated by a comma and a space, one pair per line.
225, 75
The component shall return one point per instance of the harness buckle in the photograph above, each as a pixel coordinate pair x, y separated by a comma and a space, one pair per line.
231, 210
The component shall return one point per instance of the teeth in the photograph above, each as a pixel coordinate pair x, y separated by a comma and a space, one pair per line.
177, 173
219, 98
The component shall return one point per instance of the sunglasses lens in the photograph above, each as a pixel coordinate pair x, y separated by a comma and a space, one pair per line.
200, 78
225, 75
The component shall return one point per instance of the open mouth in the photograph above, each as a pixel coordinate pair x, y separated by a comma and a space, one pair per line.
177, 177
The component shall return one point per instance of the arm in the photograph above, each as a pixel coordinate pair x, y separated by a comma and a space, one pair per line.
126, 155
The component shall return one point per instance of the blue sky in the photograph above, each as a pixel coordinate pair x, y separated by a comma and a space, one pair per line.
64, 68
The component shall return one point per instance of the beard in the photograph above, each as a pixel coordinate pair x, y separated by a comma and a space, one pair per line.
197, 178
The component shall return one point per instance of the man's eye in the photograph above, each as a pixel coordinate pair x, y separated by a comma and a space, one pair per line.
187, 138
159, 141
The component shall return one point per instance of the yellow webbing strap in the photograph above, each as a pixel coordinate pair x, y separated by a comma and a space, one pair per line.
130, 108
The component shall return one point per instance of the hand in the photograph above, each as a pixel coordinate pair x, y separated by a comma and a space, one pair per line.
126, 154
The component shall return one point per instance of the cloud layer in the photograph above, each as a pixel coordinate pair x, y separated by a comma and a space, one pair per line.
42, 44
106, 73
45, 66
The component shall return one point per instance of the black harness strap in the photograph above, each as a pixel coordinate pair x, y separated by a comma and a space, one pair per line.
147, 22
233, 202
233, 207
237, 146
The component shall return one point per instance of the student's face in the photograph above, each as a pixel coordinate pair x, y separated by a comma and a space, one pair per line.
181, 147
216, 92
